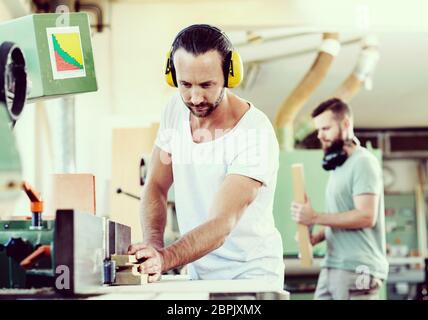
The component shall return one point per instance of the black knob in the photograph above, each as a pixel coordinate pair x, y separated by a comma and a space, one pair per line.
18, 249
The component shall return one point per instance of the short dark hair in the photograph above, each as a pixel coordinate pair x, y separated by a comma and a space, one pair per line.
339, 108
201, 38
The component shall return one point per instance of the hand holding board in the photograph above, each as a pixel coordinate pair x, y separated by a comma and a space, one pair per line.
305, 247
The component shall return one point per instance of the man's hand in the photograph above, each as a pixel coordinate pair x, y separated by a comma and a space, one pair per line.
152, 260
317, 238
303, 213
313, 238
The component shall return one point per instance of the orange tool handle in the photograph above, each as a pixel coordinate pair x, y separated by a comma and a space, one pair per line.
40, 252
36, 200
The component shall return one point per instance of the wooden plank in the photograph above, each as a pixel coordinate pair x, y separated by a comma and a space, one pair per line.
130, 278
72, 191
305, 247
127, 270
129, 145
122, 260
421, 212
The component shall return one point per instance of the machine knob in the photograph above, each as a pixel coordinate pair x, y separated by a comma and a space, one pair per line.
18, 249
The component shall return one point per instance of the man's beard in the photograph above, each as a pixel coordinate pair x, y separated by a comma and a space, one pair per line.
335, 141
326, 145
204, 109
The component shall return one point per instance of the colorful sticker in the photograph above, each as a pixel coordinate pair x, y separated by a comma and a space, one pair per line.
66, 55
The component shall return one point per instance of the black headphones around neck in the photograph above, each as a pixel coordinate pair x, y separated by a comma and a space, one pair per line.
334, 156
13, 79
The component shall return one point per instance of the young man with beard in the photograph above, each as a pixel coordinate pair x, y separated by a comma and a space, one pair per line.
355, 263
221, 153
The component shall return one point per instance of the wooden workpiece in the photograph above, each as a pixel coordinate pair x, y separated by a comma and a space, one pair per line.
128, 146
122, 260
71, 191
130, 276
305, 247
127, 270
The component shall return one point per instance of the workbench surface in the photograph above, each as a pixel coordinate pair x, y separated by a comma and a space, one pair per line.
179, 287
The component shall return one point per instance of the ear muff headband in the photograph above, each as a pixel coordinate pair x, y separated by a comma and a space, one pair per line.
234, 70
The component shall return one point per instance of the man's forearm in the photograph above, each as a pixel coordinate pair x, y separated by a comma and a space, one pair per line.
195, 244
320, 236
153, 216
354, 219
234, 196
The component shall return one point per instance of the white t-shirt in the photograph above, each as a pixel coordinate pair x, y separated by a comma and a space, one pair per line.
254, 248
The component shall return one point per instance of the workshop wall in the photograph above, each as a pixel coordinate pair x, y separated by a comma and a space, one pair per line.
402, 176
4, 14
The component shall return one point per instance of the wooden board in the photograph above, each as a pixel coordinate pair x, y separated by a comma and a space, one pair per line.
421, 212
123, 260
129, 145
127, 270
305, 247
71, 191
130, 278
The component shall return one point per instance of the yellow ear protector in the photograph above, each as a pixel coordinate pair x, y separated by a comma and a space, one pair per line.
234, 70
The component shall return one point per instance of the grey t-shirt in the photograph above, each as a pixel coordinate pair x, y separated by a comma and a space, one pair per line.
357, 250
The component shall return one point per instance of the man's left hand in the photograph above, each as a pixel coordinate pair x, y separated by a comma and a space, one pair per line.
153, 260
303, 213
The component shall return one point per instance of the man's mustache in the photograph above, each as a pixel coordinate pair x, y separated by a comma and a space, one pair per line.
201, 105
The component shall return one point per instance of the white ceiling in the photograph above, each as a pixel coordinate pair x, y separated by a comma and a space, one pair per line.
399, 97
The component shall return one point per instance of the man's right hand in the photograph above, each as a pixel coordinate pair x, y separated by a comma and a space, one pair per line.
151, 260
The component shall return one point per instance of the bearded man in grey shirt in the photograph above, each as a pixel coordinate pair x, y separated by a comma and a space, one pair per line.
355, 264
